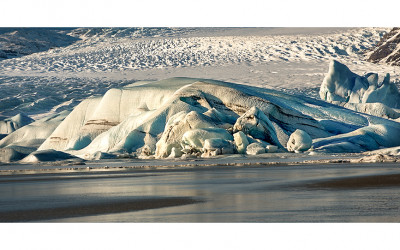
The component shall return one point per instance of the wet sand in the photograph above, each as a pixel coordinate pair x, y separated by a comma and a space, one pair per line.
375, 181
93, 209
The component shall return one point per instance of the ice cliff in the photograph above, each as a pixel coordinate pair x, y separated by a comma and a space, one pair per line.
192, 117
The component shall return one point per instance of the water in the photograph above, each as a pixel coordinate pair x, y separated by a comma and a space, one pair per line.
297, 193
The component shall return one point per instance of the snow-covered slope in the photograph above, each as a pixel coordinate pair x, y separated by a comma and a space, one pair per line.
17, 42
112, 52
388, 49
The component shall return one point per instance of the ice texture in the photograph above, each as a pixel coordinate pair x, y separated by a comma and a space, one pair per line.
217, 146
255, 148
193, 117
182, 113
299, 141
9, 125
47, 155
241, 142
367, 94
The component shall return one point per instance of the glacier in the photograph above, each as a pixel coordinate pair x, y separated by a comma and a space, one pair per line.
195, 117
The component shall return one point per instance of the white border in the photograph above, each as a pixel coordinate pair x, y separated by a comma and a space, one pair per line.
210, 13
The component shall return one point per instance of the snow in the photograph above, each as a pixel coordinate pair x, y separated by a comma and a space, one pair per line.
16, 42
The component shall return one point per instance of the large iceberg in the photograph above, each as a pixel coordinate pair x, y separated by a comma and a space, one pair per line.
201, 117
369, 94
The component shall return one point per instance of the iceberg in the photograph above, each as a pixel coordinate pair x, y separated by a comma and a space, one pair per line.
365, 94
194, 117
9, 125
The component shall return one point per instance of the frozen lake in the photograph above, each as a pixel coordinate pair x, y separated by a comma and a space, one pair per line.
294, 193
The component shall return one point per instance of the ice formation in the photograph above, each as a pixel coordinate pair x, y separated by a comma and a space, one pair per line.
9, 125
299, 141
29, 137
241, 142
255, 148
193, 117
367, 94
48, 155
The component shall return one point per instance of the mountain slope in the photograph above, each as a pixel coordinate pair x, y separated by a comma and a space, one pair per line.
17, 42
388, 49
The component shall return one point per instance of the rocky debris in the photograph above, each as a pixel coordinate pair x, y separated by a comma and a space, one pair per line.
387, 50
376, 158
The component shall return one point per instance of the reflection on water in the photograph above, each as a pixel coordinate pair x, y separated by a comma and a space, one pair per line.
229, 194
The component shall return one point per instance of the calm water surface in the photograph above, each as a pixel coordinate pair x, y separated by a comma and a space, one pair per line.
316, 193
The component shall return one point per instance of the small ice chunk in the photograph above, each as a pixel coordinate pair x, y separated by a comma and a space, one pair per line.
217, 146
195, 138
255, 148
271, 148
241, 142
175, 153
299, 141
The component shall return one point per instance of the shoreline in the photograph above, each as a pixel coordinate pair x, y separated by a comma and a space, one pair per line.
129, 166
